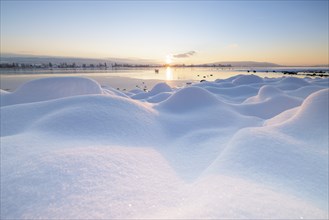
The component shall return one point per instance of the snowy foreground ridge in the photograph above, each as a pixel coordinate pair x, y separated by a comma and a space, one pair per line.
243, 147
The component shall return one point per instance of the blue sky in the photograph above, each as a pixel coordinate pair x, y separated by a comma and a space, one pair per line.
285, 32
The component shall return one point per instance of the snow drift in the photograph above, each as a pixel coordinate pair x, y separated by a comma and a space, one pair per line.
243, 147
51, 88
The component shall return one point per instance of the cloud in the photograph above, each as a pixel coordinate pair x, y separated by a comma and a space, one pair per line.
184, 55
232, 46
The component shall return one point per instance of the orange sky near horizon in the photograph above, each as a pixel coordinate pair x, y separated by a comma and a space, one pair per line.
286, 33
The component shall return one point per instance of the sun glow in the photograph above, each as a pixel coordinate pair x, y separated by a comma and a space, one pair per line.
169, 74
168, 59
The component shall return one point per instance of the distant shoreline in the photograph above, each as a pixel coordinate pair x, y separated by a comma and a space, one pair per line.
300, 71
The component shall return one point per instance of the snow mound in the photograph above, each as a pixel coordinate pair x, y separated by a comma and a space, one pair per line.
230, 79
304, 91
189, 99
292, 152
3, 92
313, 113
270, 107
158, 88
247, 79
282, 117
294, 80
136, 91
225, 85
238, 93
321, 82
264, 93
51, 88
111, 91
292, 83
159, 97
84, 117
270, 157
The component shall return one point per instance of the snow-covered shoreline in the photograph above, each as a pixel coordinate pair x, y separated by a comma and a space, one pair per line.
241, 147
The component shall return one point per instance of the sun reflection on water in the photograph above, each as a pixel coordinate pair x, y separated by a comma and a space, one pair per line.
169, 74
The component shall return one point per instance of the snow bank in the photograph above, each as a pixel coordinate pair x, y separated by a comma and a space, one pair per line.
189, 99
264, 93
269, 107
136, 91
282, 117
291, 83
294, 80
84, 117
247, 79
51, 88
159, 97
3, 92
234, 92
313, 113
243, 147
293, 152
157, 89
160, 87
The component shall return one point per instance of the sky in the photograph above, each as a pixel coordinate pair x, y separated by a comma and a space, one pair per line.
190, 32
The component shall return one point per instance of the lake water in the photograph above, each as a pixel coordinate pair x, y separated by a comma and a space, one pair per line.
133, 77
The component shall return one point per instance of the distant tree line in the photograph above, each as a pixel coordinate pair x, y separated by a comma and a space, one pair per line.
50, 65
115, 65
199, 65
73, 65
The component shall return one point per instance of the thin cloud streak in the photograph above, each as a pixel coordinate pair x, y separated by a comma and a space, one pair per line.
185, 55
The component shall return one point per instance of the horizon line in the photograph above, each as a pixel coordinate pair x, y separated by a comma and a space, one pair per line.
135, 59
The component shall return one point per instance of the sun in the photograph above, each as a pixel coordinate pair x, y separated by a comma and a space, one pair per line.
168, 59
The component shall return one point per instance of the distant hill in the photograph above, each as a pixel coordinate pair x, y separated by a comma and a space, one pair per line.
247, 64
324, 65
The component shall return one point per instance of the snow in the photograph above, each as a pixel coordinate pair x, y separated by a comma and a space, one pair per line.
3, 92
292, 83
247, 79
160, 87
264, 93
269, 107
313, 112
189, 99
156, 90
51, 88
136, 91
159, 97
242, 147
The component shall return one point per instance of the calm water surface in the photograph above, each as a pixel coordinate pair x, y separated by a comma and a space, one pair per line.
127, 78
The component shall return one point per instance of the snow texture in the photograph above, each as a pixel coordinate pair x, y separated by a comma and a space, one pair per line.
242, 147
